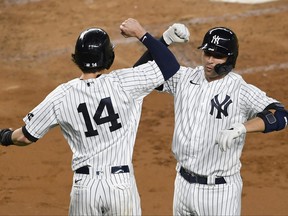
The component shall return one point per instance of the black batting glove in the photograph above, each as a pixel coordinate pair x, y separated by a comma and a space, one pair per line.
6, 137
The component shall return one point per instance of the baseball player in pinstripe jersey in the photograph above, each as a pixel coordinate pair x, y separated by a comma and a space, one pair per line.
214, 109
99, 116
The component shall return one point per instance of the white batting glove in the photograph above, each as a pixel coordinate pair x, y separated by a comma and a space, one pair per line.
176, 33
225, 137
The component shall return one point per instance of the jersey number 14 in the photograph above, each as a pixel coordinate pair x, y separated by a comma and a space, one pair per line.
111, 117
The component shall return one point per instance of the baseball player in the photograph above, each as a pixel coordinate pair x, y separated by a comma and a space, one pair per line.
99, 114
214, 109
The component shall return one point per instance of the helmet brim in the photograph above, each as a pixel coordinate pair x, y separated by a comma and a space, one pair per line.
216, 50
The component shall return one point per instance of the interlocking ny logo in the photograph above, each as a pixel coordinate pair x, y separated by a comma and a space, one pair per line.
220, 107
215, 39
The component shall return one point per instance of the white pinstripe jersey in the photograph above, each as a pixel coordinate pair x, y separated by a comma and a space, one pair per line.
98, 117
204, 108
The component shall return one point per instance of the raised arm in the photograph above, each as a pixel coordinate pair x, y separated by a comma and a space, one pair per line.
147, 55
163, 57
177, 33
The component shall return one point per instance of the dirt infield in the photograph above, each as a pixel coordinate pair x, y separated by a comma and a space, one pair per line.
36, 40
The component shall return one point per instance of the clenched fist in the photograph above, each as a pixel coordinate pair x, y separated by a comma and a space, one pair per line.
178, 33
132, 28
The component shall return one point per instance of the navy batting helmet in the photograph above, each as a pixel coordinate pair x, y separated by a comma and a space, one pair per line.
93, 50
222, 41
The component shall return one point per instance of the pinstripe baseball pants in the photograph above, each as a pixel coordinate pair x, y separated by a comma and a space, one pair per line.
208, 199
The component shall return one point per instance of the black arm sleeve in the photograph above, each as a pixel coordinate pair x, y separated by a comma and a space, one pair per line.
163, 57
147, 56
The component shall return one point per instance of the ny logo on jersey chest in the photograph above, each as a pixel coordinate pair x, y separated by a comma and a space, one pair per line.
220, 107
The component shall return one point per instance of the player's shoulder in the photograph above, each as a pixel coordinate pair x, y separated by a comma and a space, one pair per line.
63, 88
74, 81
67, 85
133, 73
235, 77
116, 76
239, 81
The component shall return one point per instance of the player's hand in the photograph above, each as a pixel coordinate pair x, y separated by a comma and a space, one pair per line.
3, 135
225, 137
132, 28
178, 33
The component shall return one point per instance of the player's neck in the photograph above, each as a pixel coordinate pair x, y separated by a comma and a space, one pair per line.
86, 76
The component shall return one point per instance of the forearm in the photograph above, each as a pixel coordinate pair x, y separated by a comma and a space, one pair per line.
147, 55
254, 125
225, 137
19, 139
163, 57
9, 137
178, 33
264, 122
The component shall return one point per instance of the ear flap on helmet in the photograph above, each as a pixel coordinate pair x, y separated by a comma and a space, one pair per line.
223, 68
110, 60
227, 66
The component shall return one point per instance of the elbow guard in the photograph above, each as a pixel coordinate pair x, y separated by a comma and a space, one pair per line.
274, 122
